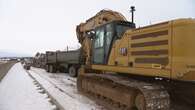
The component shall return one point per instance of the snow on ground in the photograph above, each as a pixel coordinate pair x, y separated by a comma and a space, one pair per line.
63, 88
17, 92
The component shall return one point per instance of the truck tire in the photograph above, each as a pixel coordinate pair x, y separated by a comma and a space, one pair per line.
51, 69
47, 68
72, 70
28, 67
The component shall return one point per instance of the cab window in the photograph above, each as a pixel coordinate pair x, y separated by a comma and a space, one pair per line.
99, 40
120, 30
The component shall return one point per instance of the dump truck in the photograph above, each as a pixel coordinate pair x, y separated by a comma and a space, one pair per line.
63, 61
131, 68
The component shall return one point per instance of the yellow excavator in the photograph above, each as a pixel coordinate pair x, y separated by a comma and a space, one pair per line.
131, 68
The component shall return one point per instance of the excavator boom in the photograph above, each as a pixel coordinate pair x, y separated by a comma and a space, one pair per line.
102, 17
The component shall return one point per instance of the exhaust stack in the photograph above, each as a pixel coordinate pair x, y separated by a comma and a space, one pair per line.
132, 13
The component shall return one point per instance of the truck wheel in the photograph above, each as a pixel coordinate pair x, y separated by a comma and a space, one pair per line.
53, 69
47, 68
28, 68
50, 68
72, 71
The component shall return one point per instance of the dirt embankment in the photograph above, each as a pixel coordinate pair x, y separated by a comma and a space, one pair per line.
4, 68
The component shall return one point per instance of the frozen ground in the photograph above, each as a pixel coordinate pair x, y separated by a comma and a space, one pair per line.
63, 89
18, 92
1, 62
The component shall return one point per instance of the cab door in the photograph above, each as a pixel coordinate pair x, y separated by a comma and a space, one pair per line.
98, 47
102, 44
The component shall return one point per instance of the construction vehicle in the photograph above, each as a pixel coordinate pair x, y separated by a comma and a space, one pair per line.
64, 61
133, 68
27, 63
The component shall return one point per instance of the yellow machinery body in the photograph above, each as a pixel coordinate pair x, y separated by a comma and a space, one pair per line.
133, 58
161, 50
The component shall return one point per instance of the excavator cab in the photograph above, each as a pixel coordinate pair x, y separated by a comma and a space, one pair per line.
104, 38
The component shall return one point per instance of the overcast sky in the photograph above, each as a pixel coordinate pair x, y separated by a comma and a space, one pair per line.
28, 26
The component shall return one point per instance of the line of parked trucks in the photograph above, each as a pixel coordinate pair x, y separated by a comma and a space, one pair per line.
58, 61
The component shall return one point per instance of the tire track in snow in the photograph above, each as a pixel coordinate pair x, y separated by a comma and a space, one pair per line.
42, 90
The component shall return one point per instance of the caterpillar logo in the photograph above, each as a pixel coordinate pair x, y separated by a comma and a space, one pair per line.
123, 51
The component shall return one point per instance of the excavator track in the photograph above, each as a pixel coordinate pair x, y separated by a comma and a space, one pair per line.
123, 93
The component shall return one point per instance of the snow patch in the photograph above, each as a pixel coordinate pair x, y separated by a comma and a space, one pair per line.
18, 92
63, 89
